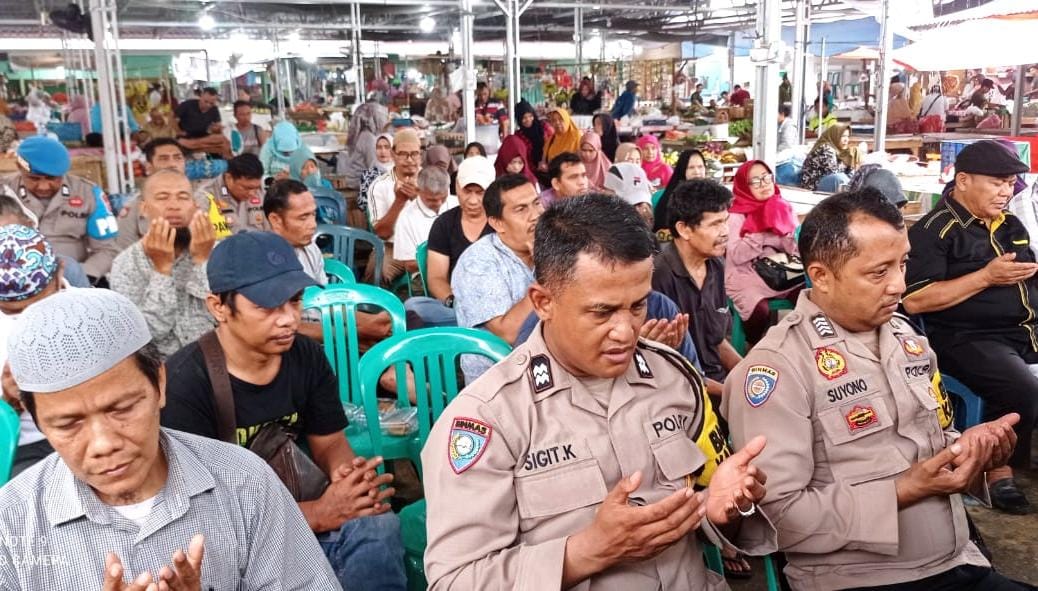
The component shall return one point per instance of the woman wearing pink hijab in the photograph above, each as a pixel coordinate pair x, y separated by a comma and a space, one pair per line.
595, 162
760, 223
652, 161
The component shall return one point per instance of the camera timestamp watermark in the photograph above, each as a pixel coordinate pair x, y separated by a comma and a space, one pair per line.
29, 551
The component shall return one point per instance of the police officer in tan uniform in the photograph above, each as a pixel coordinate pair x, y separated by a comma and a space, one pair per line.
239, 194
864, 465
74, 214
587, 459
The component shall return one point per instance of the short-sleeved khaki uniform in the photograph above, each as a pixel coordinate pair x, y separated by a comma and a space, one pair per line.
842, 424
524, 456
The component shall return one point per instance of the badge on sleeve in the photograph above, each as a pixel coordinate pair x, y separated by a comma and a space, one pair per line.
831, 363
540, 373
823, 327
468, 440
760, 383
641, 365
912, 346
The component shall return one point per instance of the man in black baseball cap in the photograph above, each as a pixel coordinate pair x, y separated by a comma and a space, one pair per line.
971, 278
279, 376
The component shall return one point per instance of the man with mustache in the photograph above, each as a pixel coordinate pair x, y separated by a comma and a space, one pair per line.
971, 277
588, 458
164, 273
865, 467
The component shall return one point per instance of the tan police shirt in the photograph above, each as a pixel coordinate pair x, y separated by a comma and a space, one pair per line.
62, 219
842, 424
240, 215
523, 457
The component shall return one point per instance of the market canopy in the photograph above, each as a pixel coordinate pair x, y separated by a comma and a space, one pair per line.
973, 44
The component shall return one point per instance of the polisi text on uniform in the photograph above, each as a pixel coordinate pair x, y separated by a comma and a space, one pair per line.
549, 456
917, 371
847, 390
672, 423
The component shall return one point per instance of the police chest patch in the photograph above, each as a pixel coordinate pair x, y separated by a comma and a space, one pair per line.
540, 373
823, 328
76, 201
641, 365
760, 383
861, 416
912, 346
468, 440
830, 363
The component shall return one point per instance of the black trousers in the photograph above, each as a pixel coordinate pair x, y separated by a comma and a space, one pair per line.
27, 455
997, 372
960, 578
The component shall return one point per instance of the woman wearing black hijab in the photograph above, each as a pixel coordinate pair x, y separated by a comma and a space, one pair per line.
531, 130
691, 165
605, 127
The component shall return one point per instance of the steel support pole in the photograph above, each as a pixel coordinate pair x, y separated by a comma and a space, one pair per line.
578, 38
765, 111
279, 93
97, 24
358, 59
1018, 100
731, 60
123, 111
800, 63
883, 88
468, 65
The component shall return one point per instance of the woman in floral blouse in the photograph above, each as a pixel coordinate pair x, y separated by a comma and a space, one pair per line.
831, 161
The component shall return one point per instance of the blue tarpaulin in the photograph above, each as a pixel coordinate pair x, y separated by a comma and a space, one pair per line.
840, 36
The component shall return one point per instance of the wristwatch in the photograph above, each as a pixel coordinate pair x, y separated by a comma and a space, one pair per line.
449, 301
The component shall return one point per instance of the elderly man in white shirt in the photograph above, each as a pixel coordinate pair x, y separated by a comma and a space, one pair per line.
417, 217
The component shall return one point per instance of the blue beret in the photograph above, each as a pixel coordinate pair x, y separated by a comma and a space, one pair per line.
44, 155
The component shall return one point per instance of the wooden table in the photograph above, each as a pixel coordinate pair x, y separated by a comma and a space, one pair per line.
909, 142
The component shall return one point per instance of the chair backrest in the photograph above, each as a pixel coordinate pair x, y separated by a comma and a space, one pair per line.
344, 246
432, 355
338, 306
331, 205
10, 426
422, 258
337, 272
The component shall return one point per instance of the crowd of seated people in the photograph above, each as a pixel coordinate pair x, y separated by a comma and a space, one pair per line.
626, 416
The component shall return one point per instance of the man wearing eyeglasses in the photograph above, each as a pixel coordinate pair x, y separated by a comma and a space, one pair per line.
388, 195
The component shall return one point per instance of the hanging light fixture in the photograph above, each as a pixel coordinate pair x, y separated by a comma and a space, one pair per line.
427, 24
206, 22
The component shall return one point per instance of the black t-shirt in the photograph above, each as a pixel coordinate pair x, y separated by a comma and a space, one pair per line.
708, 317
303, 397
448, 238
193, 121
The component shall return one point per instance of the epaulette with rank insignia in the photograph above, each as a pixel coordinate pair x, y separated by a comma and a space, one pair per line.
707, 429
902, 324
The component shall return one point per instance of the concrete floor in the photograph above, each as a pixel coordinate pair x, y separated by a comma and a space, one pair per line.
1012, 539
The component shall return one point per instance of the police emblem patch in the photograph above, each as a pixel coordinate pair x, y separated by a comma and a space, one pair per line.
540, 373
641, 365
823, 328
760, 383
830, 363
468, 440
861, 417
912, 346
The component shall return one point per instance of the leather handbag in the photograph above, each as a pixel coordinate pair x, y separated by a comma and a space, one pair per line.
273, 442
780, 271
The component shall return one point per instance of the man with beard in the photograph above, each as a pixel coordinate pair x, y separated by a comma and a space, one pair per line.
164, 273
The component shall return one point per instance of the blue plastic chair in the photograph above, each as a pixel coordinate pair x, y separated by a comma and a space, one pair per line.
331, 205
10, 427
969, 408
344, 246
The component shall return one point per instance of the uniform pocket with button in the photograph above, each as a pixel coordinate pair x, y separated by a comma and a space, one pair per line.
676, 456
858, 440
560, 490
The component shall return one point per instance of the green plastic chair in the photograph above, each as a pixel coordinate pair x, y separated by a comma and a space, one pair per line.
738, 340
338, 306
10, 427
344, 246
432, 355
422, 258
656, 198
338, 272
